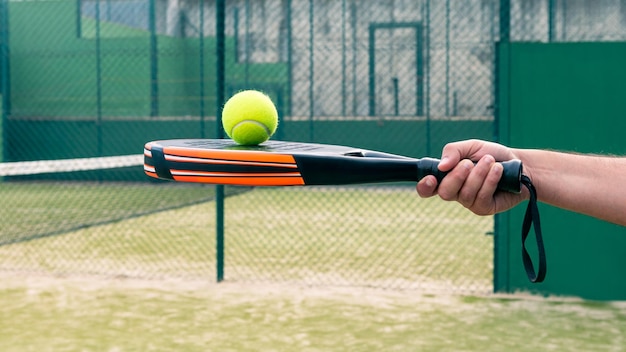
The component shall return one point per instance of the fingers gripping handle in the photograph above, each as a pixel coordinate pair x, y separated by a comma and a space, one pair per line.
509, 182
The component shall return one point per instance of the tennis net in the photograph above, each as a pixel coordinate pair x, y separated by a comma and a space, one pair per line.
23, 168
52, 197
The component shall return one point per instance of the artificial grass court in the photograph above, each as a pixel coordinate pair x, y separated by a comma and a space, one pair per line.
45, 313
298, 276
341, 236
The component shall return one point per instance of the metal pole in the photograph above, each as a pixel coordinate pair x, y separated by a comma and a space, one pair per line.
353, 22
427, 76
551, 19
98, 83
5, 87
447, 97
419, 67
343, 58
201, 53
289, 60
247, 46
154, 79
563, 20
396, 99
311, 71
505, 21
220, 53
372, 70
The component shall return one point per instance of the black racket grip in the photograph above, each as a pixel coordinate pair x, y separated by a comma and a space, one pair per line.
511, 180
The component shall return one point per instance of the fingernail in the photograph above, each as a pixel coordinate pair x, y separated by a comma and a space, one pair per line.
429, 182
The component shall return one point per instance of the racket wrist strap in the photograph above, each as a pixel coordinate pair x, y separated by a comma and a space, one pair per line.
531, 218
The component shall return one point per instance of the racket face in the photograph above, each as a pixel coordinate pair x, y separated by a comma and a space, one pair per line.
273, 163
211, 146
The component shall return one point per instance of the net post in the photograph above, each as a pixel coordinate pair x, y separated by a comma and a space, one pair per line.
220, 7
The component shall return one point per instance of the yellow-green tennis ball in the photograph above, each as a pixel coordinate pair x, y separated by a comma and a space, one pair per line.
249, 117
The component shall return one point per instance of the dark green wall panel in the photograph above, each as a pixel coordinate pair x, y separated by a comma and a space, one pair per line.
570, 97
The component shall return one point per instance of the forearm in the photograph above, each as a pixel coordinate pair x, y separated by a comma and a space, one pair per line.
592, 185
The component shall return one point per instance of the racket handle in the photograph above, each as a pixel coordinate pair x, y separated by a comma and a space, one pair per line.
511, 180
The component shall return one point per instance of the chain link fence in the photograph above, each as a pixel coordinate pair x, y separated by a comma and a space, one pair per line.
98, 78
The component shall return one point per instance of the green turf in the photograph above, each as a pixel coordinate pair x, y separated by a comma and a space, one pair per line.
39, 209
366, 237
106, 232
300, 264
375, 237
82, 314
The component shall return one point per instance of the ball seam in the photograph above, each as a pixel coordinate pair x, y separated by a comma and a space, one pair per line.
267, 130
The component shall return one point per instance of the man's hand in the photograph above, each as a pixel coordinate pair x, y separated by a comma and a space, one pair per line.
472, 185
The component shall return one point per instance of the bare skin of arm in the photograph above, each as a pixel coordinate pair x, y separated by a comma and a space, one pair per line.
587, 184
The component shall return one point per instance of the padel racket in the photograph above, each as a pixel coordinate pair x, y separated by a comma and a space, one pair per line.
277, 163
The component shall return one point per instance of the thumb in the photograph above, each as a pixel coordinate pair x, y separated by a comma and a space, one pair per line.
447, 163
454, 152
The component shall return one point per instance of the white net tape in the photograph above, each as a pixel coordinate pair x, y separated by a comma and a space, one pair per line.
68, 165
